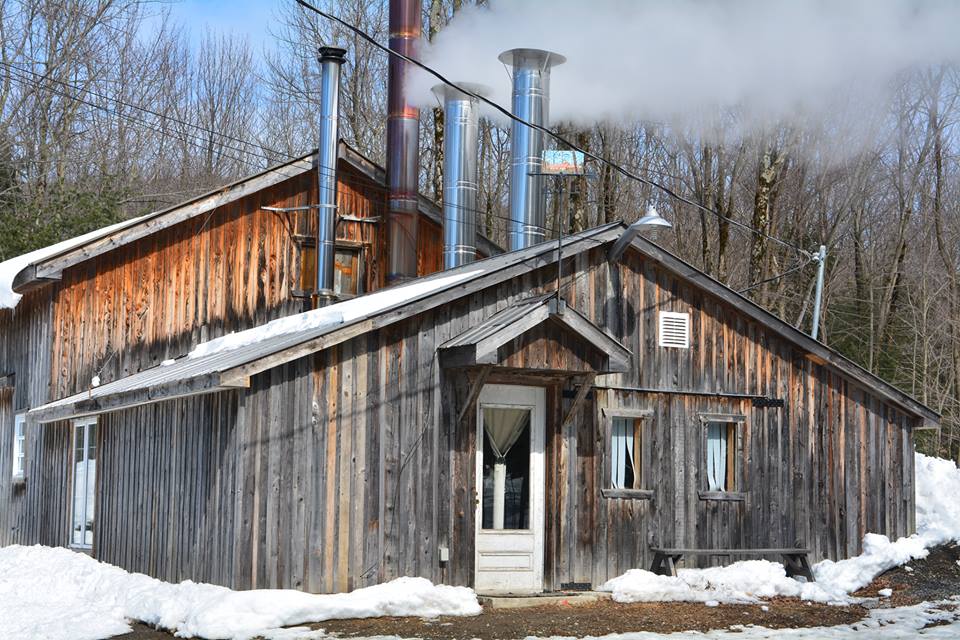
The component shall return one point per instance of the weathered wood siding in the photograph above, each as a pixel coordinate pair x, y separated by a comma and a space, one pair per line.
153, 299
350, 467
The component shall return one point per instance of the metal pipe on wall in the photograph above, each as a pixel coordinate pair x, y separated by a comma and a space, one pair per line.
403, 134
531, 98
331, 59
460, 186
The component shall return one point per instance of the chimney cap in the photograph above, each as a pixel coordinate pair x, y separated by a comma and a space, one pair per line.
445, 91
332, 54
543, 58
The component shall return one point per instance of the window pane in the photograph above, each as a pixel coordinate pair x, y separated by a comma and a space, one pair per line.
506, 469
346, 271
79, 493
625, 450
84, 484
717, 456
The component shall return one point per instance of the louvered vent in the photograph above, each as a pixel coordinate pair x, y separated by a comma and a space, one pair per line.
674, 329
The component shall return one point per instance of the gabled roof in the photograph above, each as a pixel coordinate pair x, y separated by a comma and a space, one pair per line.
817, 351
226, 366
481, 344
34, 269
230, 361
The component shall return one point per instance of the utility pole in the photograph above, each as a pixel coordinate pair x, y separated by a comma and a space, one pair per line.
822, 259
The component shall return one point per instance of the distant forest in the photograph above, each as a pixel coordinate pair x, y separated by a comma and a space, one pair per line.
109, 110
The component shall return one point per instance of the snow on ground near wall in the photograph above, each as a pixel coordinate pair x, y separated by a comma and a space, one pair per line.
10, 268
333, 315
57, 594
938, 521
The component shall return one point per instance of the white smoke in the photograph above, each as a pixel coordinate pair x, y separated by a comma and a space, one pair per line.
680, 60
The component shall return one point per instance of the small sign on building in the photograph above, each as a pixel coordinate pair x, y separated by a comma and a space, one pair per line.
557, 162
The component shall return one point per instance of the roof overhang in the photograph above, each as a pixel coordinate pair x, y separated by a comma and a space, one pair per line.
815, 350
51, 268
233, 369
480, 345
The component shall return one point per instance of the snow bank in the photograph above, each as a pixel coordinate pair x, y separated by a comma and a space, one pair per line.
54, 593
333, 315
938, 521
9, 269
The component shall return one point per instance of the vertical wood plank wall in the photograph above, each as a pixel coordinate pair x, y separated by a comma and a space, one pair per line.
347, 467
129, 309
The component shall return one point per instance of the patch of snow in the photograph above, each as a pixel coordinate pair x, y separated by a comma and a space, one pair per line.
764, 608
933, 621
885, 593
167, 363
908, 568
938, 521
57, 594
712, 603
9, 269
333, 315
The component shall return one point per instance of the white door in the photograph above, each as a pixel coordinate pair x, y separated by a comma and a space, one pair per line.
510, 489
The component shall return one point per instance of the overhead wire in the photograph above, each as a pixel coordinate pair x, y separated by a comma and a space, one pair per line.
537, 127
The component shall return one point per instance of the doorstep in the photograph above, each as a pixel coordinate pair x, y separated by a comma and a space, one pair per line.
558, 598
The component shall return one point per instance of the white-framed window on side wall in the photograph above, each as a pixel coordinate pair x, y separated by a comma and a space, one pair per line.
84, 482
674, 330
628, 453
19, 446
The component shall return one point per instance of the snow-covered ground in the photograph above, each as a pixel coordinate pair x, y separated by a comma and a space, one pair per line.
938, 521
53, 593
57, 594
936, 620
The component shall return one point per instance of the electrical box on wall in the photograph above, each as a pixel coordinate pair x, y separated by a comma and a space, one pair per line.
444, 554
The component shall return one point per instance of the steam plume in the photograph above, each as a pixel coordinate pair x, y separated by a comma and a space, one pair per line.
675, 60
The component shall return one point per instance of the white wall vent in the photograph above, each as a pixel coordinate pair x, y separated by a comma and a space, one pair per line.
674, 329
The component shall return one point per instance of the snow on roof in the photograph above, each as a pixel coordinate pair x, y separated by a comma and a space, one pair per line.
237, 349
333, 315
10, 269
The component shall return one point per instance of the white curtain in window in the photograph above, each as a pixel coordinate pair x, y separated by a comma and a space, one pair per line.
621, 445
503, 427
716, 456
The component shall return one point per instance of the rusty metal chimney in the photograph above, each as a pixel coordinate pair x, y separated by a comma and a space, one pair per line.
531, 99
331, 58
403, 134
460, 148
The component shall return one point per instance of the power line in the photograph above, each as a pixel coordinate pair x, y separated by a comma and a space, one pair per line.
17, 75
777, 276
507, 113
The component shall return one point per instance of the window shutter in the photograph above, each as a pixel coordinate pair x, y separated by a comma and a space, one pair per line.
674, 329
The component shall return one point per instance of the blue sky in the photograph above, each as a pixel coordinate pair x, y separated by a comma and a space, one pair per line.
242, 17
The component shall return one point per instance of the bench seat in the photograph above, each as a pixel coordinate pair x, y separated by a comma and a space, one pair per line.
794, 560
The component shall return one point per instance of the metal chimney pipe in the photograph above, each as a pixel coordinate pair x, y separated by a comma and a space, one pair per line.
403, 135
331, 58
531, 100
460, 145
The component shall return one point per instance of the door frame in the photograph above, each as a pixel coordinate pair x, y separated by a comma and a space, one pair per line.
534, 398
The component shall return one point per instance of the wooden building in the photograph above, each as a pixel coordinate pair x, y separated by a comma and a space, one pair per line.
478, 426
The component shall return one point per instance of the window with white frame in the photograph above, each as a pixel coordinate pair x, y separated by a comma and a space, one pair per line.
84, 481
19, 445
674, 330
